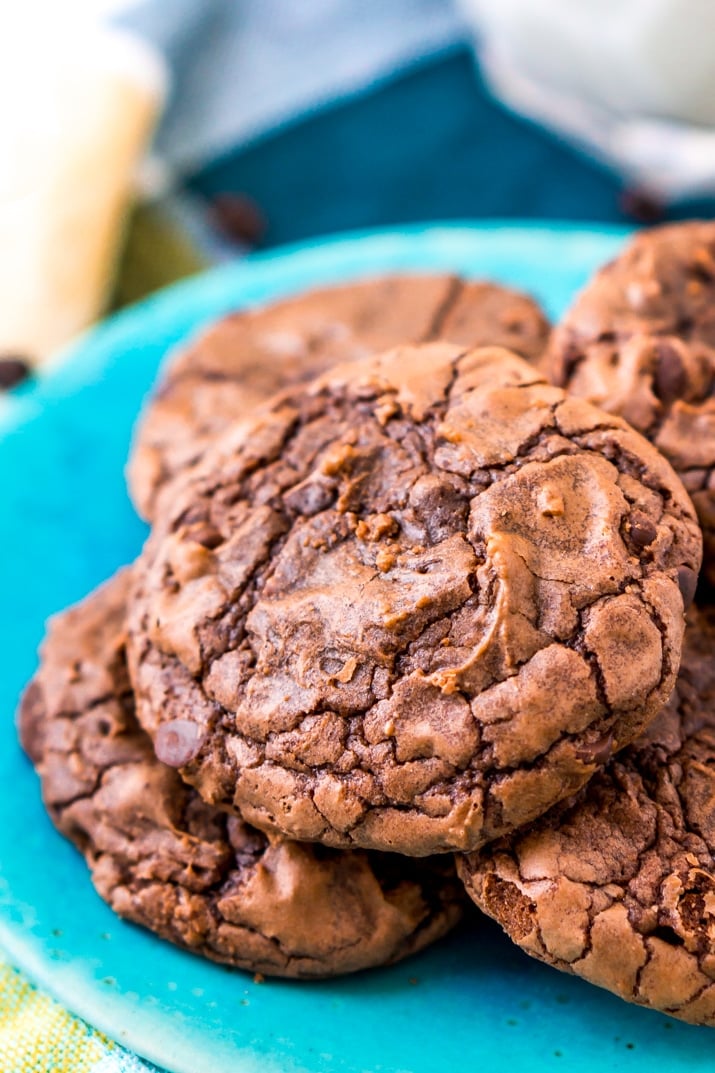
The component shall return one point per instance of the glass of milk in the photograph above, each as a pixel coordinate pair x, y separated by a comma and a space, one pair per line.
78, 102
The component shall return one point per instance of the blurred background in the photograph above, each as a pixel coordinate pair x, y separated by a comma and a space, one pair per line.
144, 139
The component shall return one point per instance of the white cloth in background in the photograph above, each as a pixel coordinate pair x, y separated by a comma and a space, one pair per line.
245, 67
632, 82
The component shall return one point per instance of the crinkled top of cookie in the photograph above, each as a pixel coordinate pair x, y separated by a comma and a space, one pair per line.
244, 358
639, 341
414, 605
618, 886
166, 860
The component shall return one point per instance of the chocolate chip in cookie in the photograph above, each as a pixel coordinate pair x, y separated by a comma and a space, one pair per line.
618, 884
164, 859
439, 581
639, 341
241, 361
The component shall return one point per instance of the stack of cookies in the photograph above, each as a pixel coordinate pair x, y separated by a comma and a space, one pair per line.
416, 615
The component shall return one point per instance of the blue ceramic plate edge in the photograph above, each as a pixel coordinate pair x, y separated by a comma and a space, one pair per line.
77, 364
70, 364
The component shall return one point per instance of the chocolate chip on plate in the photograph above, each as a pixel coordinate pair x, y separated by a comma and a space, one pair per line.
13, 370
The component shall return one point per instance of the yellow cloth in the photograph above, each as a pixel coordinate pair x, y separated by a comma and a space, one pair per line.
37, 1035
157, 252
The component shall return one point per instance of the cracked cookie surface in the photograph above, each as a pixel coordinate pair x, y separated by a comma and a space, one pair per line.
618, 886
639, 341
245, 358
414, 605
193, 875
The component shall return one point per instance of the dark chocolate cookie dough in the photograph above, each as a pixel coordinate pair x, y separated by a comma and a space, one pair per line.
639, 341
618, 886
247, 357
195, 876
413, 605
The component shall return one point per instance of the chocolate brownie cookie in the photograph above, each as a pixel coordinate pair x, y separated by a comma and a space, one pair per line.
195, 876
640, 342
413, 605
618, 885
247, 357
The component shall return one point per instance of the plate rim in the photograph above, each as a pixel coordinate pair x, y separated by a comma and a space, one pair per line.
68, 361
73, 366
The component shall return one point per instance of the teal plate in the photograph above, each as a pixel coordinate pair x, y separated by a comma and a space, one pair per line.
473, 1000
